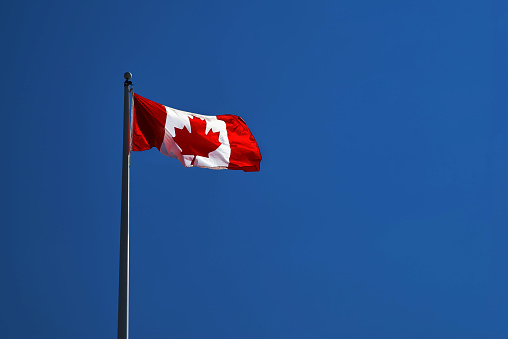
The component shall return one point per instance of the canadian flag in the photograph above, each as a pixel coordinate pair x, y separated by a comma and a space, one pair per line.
216, 142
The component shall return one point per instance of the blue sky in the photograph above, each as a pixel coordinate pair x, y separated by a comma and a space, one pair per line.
380, 210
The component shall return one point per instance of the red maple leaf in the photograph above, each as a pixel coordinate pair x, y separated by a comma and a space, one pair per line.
196, 142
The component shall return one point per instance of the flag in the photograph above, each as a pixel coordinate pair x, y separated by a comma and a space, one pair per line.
216, 142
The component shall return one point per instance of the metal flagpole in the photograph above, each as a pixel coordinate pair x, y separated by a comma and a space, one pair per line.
123, 284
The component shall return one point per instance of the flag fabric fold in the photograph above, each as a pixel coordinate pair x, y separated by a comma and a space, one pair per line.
216, 142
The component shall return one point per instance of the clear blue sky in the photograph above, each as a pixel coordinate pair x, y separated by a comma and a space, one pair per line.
381, 207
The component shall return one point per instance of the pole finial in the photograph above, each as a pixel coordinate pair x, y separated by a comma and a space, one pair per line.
127, 75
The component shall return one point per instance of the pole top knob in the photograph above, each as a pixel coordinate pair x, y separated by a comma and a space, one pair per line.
127, 75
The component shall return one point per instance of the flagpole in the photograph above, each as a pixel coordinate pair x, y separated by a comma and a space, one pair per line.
123, 282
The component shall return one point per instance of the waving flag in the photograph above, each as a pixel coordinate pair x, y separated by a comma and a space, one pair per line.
216, 142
